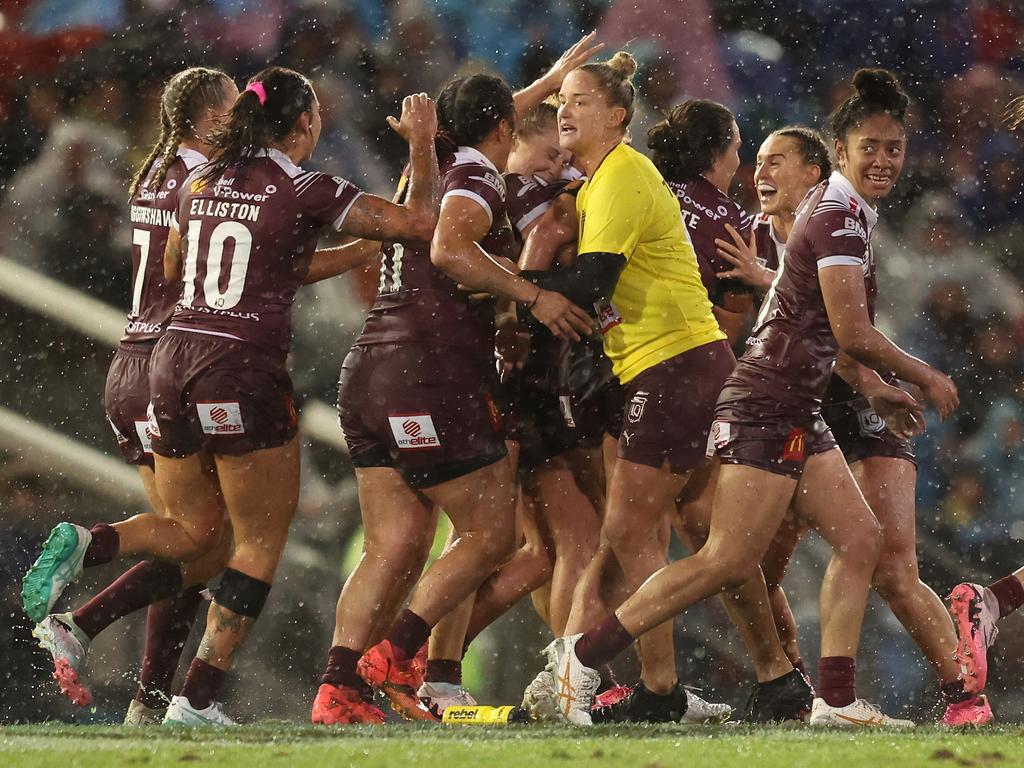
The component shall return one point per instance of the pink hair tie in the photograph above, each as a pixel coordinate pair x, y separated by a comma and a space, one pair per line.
259, 90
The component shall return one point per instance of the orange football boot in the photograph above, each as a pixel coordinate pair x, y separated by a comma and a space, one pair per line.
398, 680
341, 705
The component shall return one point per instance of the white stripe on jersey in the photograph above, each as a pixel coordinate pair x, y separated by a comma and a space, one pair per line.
839, 261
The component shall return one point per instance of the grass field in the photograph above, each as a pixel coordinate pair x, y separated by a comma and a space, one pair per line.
273, 744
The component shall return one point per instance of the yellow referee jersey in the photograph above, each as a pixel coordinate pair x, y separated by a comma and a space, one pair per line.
660, 308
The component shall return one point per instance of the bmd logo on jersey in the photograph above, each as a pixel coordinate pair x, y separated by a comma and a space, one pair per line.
221, 418
413, 431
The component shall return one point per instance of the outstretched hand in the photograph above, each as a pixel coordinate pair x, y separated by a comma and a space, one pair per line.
743, 257
418, 121
576, 55
902, 414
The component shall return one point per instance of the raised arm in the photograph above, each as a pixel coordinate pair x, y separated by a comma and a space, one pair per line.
842, 287
553, 230
374, 218
551, 81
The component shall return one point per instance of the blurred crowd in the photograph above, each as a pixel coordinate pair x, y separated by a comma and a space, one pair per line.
77, 114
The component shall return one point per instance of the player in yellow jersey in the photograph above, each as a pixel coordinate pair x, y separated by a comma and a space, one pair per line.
662, 338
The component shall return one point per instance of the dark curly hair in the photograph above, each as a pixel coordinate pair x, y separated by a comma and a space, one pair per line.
468, 108
877, 92
690, 139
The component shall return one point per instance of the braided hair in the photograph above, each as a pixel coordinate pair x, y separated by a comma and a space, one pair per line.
264, 113
185, 97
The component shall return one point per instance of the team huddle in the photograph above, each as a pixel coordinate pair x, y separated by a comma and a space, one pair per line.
612, 289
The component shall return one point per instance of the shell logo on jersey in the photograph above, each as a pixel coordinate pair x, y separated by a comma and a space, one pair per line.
145, 436
413, 431
795, 446
221, 418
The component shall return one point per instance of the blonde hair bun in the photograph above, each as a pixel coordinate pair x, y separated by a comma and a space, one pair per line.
624, 64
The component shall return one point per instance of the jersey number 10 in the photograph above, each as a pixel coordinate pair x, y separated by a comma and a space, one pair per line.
211, 287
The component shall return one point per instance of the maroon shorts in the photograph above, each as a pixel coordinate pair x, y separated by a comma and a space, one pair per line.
426, 411
218, 395
781, 448
126, 398
669, 408
861, 433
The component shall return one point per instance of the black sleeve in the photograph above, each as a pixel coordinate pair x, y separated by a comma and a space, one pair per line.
591, 278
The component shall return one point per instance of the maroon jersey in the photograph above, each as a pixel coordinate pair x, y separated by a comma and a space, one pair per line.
417, 302
152, 211
791, 352
706, 210
770, 249
247, 239
528, 198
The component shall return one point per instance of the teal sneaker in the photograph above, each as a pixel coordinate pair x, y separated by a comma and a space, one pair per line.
59, 565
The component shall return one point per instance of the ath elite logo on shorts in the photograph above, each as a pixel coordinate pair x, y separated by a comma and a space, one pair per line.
413, 431
221, 418
152, 428
721, 433
795, 446
636, 407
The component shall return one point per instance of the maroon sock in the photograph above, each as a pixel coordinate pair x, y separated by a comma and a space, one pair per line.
341, 669
837, 680
139, 586
408, 634
603, 643
202, 683
1010, 594
103, 547
168, 625
444, 671
954, 692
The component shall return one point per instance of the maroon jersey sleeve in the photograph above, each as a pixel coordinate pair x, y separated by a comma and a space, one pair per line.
528, 198
837, 236
325, 199
481, 185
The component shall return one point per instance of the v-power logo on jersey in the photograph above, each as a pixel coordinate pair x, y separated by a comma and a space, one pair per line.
221, 418
413, 431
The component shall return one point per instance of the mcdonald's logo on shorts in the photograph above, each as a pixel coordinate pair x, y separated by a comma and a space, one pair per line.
795, 446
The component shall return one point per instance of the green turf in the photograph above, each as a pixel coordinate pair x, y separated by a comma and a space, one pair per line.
282, 744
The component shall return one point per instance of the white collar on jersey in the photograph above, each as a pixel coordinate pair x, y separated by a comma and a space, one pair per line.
470, 155
281, 159
838, 180
191, 157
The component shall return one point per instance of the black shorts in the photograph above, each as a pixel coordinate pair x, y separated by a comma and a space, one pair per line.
219, 395
427, 411
861, 433
669, 408
126, 399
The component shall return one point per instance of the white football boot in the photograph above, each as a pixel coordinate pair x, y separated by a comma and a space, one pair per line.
539, 698
575, 685
859, 714
701, 712
437, 697
68, 645
181, 712
140, 716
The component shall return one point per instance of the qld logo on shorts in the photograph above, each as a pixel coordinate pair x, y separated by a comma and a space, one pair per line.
414, 431
221, 418
636, 408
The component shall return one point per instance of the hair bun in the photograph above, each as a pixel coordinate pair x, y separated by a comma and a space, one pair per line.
880, 86
624, 64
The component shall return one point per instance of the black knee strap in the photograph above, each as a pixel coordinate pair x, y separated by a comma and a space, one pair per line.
241, 594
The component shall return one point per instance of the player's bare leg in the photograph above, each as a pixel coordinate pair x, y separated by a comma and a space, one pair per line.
261, 492
774, 566
635, 524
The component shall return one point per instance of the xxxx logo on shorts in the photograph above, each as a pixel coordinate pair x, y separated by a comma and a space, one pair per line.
795, 446
413, 431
